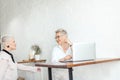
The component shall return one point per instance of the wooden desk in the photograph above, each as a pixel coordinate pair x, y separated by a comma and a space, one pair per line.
69, 65
32, 61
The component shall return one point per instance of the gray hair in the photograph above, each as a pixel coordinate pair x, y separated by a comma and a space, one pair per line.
5, 39
61, 31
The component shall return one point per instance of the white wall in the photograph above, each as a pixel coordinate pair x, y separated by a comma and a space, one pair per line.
32, 21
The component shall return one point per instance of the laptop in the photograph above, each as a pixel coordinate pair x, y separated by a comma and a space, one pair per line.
83, 52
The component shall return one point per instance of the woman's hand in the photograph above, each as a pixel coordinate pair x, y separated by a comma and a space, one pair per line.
68, 57
69, 42
38, 69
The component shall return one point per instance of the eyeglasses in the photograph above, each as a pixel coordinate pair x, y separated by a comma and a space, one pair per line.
58, 36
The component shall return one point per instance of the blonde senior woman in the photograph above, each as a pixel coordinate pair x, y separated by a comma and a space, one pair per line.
61, 52
8, 70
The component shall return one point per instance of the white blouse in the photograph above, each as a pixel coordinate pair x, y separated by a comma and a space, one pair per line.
8, 70
58, 53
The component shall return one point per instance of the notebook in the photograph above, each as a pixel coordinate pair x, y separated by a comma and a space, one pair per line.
83, 52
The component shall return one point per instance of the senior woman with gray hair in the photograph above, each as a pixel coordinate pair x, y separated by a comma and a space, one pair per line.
61, 52
9, 66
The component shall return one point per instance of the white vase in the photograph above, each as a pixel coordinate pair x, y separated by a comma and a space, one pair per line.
37, 57
31, 55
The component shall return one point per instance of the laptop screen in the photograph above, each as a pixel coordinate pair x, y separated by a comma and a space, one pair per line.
84, 51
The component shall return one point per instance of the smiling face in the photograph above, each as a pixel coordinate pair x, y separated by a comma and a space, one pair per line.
60, 38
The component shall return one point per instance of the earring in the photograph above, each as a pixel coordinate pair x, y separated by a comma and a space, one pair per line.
8, 46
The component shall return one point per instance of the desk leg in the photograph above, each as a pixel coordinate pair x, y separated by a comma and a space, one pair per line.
70, 73
49, 74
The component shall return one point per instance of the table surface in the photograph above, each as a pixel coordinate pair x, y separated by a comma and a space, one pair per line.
32, 61
74, 64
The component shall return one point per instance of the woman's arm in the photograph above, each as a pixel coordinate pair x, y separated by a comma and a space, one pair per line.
28, 68
68, 57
